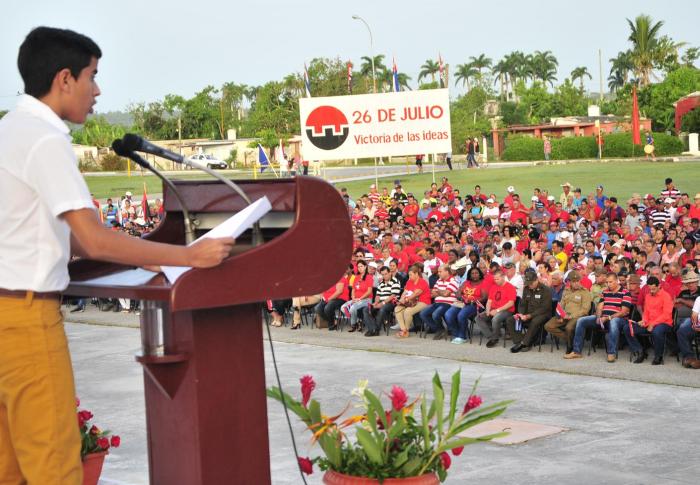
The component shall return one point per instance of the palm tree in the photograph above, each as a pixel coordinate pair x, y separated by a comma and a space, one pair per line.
387, 79
500, 70
616, 81
430, 68
644, 35
481, 62
621, 66
544, 66
366, 66
465, 72
579, 73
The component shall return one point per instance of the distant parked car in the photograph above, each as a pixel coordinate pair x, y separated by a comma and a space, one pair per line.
208, 160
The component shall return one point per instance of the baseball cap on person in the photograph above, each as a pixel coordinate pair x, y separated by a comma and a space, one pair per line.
574, 276
509, 265
551, 197
489, 201
534, 198
668, 200
372, 264
529, 276
128, 194
600, 187
539, 205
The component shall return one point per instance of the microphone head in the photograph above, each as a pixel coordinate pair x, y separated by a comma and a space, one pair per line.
131, 142
118, 147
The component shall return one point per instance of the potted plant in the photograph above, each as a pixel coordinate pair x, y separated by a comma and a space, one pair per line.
390, 445
94, 447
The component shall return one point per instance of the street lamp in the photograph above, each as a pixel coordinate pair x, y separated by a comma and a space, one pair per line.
371, 50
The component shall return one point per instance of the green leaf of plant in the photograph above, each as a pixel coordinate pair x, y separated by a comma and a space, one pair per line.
439, 402
400, 459
331, 447
315, 411
468, 441
291, 403
377, 405
442, 473
412, 466
371, 448
425, 421
477, 420
454, 395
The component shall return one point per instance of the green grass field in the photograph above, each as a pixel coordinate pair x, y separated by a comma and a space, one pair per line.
621, 179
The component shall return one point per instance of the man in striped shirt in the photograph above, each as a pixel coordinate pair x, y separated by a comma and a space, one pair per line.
659, 215
611, 315
671, 190
376, 313
444, 294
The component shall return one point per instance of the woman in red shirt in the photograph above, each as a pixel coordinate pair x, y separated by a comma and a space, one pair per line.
473, 296
362, 286
415, 297
332, 299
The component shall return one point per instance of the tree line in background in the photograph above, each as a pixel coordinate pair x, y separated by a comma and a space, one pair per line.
524, 86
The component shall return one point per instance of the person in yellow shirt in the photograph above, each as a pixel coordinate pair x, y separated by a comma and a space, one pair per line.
558, 251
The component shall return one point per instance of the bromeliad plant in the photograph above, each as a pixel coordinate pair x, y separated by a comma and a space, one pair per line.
392, 443
93, 439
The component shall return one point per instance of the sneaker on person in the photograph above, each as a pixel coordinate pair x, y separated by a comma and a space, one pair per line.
573, 355
395, 327
457, 341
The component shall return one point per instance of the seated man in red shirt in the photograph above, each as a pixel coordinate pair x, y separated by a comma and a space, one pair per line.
499, 308
657, 320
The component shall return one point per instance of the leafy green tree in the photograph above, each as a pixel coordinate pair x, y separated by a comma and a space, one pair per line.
580, 73
366, 66
691, 122
430, 68
274, 108
500, 70
620, 70
468, 118
656, 101
690, 55
97, 131
568, 100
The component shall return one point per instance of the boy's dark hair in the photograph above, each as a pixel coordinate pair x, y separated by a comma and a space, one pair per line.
46, 51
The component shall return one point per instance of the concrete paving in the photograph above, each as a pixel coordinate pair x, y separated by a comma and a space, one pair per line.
619, 431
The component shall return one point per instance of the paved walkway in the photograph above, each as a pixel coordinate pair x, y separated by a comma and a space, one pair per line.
619, 432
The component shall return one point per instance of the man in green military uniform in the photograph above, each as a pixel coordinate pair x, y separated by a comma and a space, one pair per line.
575, 303
534, 310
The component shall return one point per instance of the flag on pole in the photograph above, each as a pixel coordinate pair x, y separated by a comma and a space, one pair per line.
636, 136
262, 158
349, 77
442, 71
144, 205
307, 84
395, 77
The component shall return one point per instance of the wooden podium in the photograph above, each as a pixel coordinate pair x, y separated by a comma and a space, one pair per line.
204, 372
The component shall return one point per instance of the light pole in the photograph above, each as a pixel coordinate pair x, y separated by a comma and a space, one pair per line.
371, 50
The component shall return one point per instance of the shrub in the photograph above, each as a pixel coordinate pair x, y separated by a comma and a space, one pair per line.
620, 145
113, 163
523, 148
571, 148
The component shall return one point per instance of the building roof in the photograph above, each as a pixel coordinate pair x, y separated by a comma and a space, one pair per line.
695, 94
568, 122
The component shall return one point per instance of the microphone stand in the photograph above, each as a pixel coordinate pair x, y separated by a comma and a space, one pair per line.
257, 238
189, 220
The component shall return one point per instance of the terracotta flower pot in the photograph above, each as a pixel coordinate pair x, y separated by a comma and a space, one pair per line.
92, 467
334, 478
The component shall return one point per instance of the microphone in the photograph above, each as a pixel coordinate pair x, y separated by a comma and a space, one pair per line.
119, 149
132, 143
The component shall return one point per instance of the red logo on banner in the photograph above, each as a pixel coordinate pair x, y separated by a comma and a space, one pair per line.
327, 127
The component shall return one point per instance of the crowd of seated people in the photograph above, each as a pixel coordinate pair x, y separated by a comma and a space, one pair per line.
560, 268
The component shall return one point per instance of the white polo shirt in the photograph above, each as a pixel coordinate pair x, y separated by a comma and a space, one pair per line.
39, 181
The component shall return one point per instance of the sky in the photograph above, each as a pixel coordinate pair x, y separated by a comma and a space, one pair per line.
152, 48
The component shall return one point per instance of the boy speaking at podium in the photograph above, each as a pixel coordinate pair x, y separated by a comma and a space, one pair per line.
48, 215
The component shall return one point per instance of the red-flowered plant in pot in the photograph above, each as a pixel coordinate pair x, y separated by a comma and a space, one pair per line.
391, 445
95, 444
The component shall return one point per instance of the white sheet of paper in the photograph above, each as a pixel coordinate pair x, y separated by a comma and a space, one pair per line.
234, 226
130, 277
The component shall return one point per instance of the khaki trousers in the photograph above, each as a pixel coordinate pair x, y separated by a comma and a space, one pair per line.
301, 301
563, 331
404, 315
39, 437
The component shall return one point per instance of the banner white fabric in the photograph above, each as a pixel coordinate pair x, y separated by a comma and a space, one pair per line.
376, 125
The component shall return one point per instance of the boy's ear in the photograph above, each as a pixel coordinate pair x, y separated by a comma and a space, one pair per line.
62, 80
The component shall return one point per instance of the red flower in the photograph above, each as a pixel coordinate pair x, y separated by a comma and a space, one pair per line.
115, 441
94, 430
103, 443
472, 403
380, 424
307, 387
446, 460
457, 451
398, 398
306, 465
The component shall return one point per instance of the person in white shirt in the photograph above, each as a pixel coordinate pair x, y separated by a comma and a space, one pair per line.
514, 278
48, 215
491, 212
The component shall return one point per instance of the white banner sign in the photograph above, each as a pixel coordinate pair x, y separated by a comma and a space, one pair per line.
376, 125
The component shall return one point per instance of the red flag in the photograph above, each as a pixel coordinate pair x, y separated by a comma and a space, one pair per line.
349, 66
560, 311
636, 136
144, 205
